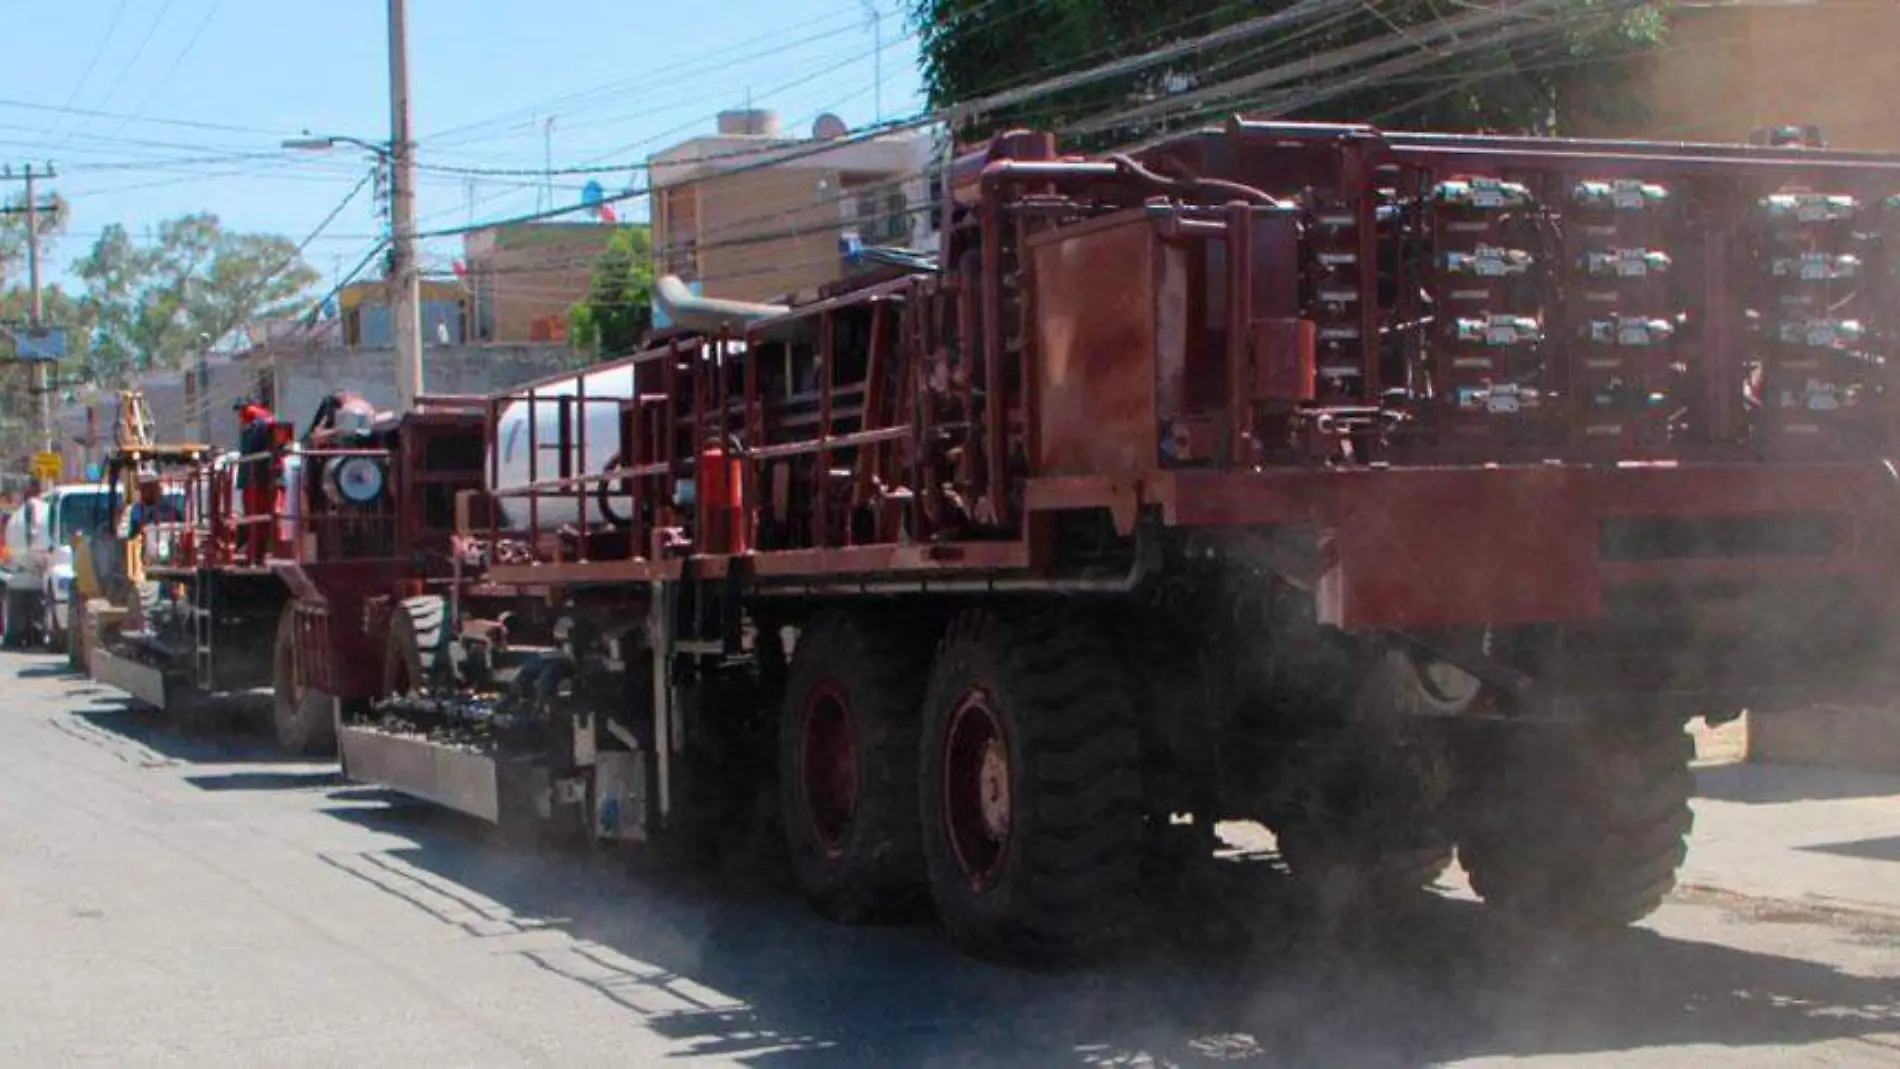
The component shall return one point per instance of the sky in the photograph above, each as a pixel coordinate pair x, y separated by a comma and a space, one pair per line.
151, 109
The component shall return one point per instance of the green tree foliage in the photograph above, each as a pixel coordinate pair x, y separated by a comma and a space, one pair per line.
1580, 77
618, 311
151, 301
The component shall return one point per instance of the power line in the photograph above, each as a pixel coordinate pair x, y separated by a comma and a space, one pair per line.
85, 77
774, 44
125, 70
177, 62
97, 113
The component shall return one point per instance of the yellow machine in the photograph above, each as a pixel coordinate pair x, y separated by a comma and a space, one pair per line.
109, 567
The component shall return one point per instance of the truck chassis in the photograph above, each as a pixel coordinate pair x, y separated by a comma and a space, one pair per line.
1406, 493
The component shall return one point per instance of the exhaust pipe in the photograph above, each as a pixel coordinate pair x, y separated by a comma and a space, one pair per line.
707, 314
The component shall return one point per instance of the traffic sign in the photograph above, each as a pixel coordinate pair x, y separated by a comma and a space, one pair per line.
41, 343
47, 467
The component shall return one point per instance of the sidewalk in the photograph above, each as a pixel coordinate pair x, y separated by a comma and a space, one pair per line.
1810, 835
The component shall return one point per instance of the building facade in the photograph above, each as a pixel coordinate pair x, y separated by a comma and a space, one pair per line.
524, 278
749, 214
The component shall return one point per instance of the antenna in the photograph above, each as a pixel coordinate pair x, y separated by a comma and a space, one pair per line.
876, 19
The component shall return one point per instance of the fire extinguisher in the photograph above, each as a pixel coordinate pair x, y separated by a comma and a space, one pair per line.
720, 491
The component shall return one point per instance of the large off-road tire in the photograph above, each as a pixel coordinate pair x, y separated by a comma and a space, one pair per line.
303, 719
16, 626
1032, 805
10, 621
847, 760
1580, 829
1370, 822
417, 631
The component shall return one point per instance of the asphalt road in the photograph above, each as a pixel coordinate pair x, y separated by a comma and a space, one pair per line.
182, 897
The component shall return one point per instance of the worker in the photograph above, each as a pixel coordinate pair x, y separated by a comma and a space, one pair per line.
255, 485
150, 505
342, 415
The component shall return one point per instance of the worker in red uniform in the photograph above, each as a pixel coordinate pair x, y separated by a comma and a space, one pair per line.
254, 481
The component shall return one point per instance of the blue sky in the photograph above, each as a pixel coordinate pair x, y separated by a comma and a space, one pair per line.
153, 108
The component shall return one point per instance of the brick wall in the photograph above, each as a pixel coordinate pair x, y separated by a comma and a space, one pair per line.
794, 218
531, 275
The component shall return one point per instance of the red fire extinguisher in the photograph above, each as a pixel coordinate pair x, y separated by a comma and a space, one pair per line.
721, 494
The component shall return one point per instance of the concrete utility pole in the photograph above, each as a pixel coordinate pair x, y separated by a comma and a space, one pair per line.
405, 277
42, 387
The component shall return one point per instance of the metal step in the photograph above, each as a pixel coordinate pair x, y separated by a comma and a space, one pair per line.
451, 775
153, 686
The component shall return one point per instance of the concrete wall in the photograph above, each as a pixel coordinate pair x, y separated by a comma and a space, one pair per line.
1859, 739
296, 381
300, 380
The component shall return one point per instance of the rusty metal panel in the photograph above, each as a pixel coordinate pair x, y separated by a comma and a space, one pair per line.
1436, 549
1095, 329
1284, 360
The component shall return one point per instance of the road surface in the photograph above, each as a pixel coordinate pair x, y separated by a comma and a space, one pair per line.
175, 897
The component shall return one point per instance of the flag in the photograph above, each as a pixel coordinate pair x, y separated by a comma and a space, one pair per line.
607, 213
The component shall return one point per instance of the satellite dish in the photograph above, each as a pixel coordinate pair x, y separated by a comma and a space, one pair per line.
828, 127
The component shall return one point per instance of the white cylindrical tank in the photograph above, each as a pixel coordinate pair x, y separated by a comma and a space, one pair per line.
606, 387
601, 413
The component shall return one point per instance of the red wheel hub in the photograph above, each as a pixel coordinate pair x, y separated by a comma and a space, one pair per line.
828, 767
977, 805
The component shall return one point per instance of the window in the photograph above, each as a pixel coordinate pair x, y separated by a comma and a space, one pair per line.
80, 513
897, 217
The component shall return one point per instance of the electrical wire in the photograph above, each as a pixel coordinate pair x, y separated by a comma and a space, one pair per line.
774, 44
138, 53
85, 77
172, 71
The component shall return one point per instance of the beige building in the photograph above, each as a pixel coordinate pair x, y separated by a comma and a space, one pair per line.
1732, 67
750, 214
523, 278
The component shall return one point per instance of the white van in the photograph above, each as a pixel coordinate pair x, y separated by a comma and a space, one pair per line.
39, 566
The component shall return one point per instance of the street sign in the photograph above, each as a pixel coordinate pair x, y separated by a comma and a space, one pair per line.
41, 343
47, 467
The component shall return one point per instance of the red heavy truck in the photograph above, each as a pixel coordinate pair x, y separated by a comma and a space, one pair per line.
1406, 493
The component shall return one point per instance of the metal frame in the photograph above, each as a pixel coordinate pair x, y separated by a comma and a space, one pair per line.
925, 433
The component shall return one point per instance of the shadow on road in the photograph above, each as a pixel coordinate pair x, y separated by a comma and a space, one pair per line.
268, 781
213, 735
50, 670
1886, 849
741, 970
1753, 784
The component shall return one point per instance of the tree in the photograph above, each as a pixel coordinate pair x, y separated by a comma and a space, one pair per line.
618, 311
1579, 77
152, 302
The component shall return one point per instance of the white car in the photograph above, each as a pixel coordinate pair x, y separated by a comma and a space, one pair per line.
39, 568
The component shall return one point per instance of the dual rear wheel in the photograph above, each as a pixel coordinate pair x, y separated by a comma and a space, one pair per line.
998, 779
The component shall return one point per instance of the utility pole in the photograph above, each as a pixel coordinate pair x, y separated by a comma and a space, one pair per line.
877, 58
42, 387
405, 278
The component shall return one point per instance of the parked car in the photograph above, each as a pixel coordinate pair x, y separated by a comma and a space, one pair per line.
38, 566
